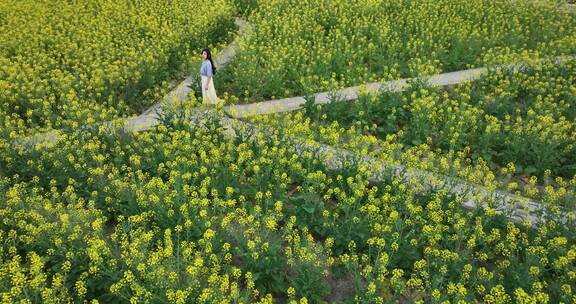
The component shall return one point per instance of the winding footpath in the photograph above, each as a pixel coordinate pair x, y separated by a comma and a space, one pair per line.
352, 93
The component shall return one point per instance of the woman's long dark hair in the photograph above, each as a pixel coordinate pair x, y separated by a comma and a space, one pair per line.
209, 57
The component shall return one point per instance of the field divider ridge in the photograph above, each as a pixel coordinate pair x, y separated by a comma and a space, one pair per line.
517, 208
352, 93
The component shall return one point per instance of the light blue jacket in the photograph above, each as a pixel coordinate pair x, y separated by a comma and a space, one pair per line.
206, 68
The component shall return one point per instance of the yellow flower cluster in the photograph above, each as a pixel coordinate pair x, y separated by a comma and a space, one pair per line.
67, 63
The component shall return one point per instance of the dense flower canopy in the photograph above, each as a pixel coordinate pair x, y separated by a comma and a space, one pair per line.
198, 209
304, 46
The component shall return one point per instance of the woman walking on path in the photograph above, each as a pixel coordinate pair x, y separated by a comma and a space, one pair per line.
207, 71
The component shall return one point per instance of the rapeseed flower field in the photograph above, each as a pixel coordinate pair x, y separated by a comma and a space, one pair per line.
202, 208
182, 213
300, 47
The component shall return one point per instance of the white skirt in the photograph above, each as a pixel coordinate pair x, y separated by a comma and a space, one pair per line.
208, 96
